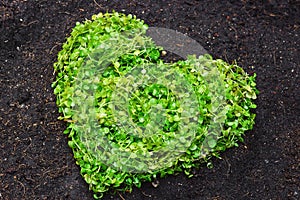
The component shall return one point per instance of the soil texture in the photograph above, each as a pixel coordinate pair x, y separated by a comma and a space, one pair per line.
262, 36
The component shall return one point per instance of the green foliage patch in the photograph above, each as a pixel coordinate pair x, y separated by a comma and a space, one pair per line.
239, 94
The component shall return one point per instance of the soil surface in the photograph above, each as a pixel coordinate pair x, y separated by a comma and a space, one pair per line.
35, 160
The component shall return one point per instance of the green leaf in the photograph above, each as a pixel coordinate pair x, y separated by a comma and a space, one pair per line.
212, 143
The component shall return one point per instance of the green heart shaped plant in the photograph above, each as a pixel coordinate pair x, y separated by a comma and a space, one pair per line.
102, 165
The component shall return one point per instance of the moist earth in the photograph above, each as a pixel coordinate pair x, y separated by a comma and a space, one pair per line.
261, 36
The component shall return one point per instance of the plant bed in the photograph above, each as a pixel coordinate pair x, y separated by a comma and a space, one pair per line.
36, 162
120, 175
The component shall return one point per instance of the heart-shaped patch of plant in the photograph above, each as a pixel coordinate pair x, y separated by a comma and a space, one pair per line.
131, 117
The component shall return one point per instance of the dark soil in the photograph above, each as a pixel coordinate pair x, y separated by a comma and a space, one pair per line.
35, 160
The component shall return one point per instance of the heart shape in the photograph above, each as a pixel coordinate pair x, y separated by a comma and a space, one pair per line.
131, 117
